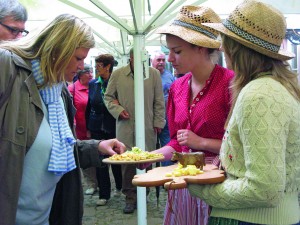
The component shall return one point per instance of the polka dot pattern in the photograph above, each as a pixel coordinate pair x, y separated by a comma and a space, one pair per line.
207, 114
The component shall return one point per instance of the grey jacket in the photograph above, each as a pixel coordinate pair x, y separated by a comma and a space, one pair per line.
20, 119
121, 87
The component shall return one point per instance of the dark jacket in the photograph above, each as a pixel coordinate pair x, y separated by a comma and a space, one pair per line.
98, 118
20, 119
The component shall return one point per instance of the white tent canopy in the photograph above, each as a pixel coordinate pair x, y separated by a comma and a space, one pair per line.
115, 21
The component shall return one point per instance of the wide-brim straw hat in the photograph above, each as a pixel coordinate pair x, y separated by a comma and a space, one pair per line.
258, 26
188, 26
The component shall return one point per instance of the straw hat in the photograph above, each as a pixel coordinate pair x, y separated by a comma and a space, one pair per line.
188, 26
258, 26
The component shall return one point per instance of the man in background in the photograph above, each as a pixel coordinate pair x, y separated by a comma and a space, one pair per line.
167, 78
13, 16
119, 99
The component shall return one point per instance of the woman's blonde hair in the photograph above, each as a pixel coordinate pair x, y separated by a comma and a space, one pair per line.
248, 64
54, 45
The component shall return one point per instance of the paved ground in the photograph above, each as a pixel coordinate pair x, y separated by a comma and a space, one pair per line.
112, 212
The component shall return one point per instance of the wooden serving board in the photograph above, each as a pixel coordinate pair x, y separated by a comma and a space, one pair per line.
157, 177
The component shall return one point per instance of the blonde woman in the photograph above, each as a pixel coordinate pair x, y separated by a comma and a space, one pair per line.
260, 148
39, 155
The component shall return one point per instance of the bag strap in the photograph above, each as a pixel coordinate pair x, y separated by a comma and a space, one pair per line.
7, 93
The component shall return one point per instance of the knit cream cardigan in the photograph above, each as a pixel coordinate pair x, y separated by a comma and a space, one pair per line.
260, 154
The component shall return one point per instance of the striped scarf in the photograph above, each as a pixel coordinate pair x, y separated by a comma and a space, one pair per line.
62, 156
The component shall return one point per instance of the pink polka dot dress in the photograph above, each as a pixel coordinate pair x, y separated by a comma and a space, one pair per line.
206, 117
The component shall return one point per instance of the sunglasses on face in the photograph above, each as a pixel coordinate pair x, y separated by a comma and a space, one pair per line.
15, 31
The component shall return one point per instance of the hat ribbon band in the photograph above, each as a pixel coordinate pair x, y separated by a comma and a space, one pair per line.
249, 37
195, 28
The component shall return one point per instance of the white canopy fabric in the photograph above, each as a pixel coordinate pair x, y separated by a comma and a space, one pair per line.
115, 21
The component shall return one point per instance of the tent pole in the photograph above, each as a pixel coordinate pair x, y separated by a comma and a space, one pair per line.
139, 50
139, 43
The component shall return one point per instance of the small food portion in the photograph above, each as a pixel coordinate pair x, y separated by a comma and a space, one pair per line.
136, 154
189, 170
193, 158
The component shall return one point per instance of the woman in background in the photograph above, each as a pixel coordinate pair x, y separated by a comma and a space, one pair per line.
80, 92
102, 125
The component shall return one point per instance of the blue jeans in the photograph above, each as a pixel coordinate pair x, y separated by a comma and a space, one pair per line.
164, 138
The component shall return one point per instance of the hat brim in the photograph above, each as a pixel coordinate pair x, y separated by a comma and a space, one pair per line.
280, 55
190, 36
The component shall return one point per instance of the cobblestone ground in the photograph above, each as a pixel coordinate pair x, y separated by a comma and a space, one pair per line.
112, 212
